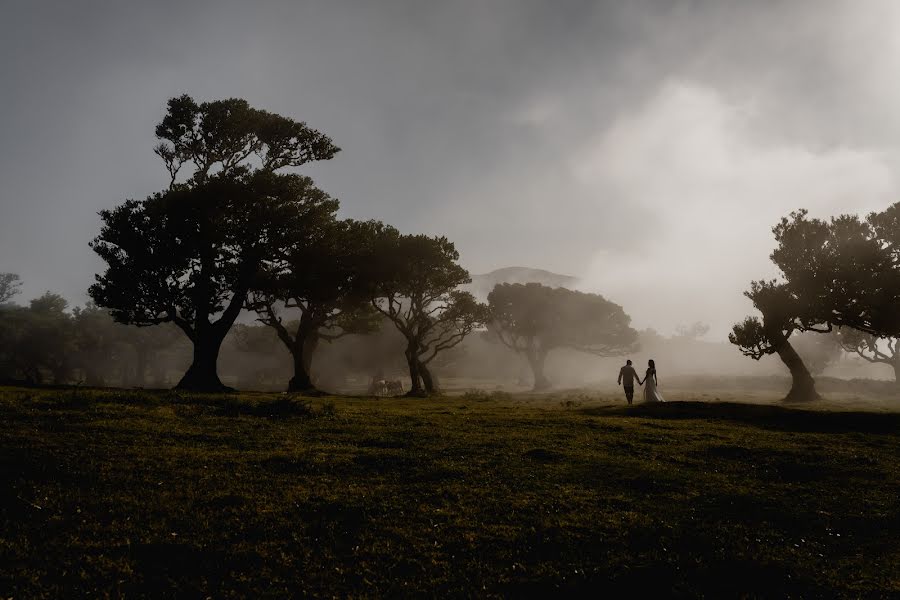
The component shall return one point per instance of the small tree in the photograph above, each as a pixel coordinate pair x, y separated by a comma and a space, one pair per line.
414, 280
533, 319
324, 276
9, 286
190, 254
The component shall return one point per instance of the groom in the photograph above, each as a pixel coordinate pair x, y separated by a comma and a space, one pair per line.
627, 374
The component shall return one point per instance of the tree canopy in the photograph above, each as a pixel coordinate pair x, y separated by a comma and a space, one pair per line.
190, 254
414, 284
842, 272
323, 276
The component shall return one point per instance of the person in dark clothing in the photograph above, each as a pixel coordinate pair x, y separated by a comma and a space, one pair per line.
627, 375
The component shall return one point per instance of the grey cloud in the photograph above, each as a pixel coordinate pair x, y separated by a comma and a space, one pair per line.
460, 118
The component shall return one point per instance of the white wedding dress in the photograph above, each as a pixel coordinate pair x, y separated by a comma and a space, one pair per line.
651, 392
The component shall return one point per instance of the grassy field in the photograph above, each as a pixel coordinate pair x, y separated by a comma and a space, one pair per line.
121, 493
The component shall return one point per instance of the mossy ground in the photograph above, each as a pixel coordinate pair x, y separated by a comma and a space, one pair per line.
127, 493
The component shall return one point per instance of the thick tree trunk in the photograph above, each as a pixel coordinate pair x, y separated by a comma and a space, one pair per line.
202, 376
301, 381
896, 365
428, 380
803, 387
414, 374
302, 349
536, 362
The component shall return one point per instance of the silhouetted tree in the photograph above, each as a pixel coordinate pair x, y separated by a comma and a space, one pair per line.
9, 286
324, 276
780, 319
533, 319
190, 254
414, 285
842, 272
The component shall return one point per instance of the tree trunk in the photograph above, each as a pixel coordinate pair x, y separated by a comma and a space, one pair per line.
896, 365
428, 380
302, 349
301, 381
202, 376
803, 388
536, 362
414, 374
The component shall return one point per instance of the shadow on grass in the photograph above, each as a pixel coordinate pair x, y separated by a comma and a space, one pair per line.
765, 416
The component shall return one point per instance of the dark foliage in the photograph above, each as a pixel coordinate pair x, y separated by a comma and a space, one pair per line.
533, 319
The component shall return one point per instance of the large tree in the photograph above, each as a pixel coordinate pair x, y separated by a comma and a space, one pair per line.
415, 280
841, 272
322, 277
533, 319
190, 254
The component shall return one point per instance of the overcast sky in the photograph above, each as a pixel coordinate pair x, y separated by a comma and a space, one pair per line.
646, 147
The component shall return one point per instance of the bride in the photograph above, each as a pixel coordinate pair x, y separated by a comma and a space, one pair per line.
651, 393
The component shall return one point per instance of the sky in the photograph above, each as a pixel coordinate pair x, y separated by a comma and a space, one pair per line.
644, 147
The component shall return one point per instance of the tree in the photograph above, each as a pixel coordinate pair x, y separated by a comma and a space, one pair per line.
871, 349
842, 272
190, 254
9, 286
780, 319
324, 277
696, 331
533, 319
414, 280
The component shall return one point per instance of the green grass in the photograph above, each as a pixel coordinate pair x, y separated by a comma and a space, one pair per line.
120, 493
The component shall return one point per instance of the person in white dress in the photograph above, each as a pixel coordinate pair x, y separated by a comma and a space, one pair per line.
651, 391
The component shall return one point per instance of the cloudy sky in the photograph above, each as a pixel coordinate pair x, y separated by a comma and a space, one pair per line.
646, 147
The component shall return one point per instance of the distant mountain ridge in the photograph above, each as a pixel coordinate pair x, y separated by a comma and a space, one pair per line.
482, 285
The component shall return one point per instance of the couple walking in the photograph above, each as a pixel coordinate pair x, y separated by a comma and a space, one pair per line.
627, 375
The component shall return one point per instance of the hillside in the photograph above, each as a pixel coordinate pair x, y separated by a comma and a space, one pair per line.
482, 285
